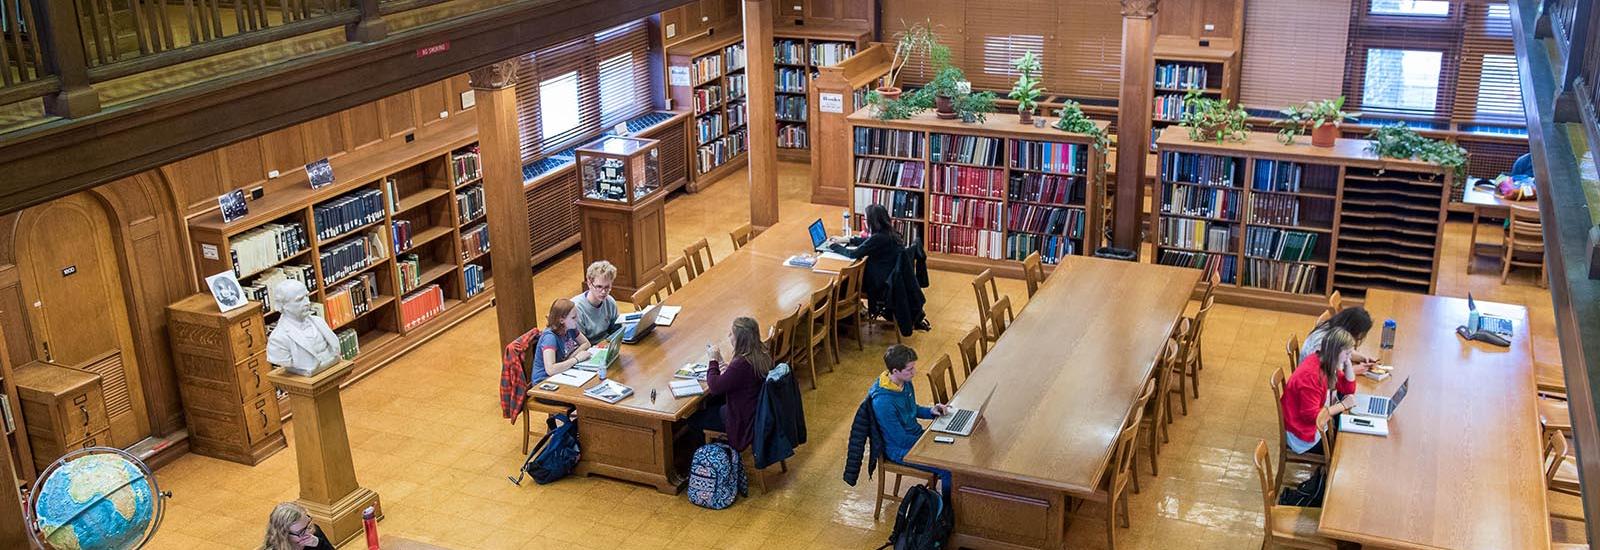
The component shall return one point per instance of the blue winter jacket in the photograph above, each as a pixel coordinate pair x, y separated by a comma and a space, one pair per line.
897, 411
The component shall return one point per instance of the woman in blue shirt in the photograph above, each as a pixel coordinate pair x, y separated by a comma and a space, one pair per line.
560, 344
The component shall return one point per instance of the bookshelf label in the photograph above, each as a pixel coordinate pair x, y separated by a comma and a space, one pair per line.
680, 76
320, 173
830, 103
209, 251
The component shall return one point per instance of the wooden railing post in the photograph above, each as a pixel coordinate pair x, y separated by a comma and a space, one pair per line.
371, 27
64, 57
1568, 106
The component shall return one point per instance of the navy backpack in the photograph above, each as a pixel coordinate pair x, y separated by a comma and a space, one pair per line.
555, 455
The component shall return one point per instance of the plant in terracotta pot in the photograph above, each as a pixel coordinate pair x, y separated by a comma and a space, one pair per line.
949, 83
1210, 119
895, 108
972, 107
1028, 89
915, 39
1322, 117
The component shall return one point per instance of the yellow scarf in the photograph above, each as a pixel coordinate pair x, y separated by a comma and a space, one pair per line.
888, 383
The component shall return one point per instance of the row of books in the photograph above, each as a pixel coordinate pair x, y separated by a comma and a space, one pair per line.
719, 152
736, 86
1168, 107
350, 299
1179, 76
826, 54
738, 115
1285, 209
1282, 277
1285, 176
909, 230
1226, 266
349, 344
474, 240
968, 180
470, 204
792, 136
475, 277
347, 212
1051, 248
403, 231
351, 255
1200, 169
260, 288
950, 239
1047, 188
892, 173
975, 213
790, 52
966, 149
410, 267
705, 68
901, 204
1204, 202
421, 305
1197, 234
265, 246
893, 143
466, 164
1048, 156
790, 107
1280, 244
1046, 220
707, 128
790, 80
706, 99
733, 55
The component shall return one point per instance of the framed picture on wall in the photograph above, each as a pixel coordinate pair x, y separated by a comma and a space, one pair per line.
226, 291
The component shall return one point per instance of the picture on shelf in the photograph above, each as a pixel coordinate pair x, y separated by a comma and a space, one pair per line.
226, 291
233, 205
320, 173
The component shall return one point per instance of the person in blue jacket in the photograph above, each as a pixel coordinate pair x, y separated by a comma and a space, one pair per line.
895, 408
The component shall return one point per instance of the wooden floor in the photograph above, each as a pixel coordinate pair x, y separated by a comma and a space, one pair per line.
428, 437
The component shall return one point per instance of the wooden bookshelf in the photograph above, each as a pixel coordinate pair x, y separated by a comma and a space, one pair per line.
417, 183
800, 52
849, 80
707, 77
1181, 64
979, 189
1374, 222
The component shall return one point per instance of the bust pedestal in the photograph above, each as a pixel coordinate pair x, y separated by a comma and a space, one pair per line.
328, 487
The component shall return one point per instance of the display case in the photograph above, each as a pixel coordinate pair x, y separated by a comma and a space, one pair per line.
621, 208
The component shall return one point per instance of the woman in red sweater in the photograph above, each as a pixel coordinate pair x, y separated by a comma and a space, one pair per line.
736, 384
1307, 404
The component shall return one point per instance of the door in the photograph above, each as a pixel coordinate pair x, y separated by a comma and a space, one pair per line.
72, 284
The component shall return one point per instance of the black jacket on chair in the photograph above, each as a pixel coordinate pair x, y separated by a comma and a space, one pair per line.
903, 297
863, 430
780, 423
881, 251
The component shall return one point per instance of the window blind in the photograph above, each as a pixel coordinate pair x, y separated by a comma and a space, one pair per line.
1090, 49
1403, 58
1288, 61
573, 90
997, 32
1489, 91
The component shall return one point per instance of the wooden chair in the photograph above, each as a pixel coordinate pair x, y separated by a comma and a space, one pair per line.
748, 458
1554, 414
1188, 369
700, 258
678, 273
1155, 410
1324, 317
530, 408
1113, 492
1550, 377
1285, 456
1139, 405
942, 379
1285, 526
900, 471
1000, 316
1524, 243
740, 236
1292, 350
818, 330
969, 345
645, 296
780, 337
1335, 303
1032, 272
847, 301
987, 291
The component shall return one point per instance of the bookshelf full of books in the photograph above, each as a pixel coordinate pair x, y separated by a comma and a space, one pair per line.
1183, 65
707, 76
1285, 225
798, 53
979, 195
384, 250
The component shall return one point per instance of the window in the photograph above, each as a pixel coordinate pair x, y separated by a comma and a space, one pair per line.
575, 90
558, 105
1499, 94
1404, 58
617, 91
1430, 8
1401, 80
1000, 53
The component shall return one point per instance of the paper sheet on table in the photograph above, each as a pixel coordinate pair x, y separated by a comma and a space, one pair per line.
835, 256
573, 377
666, 315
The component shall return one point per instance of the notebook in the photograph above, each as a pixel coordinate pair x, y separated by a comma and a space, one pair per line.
830, 266
609, 391
572, 377
1368, 425
686, 388
667, 314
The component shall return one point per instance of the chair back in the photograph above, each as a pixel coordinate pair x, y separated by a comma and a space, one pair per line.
645, 296
942, 379
740, 236
1269, 486
1335, 303
819, 315
1000, 316
1032, 272
986, 290
780, 338
1163, 378
1213, 278
1292, 350
700, 258
1122, 453
1324, 317
969, 350
1555, 451
847, 290
1277, 382
1527, 231
678, 273
1144, 396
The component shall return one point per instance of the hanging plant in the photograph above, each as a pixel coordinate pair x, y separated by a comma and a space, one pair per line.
1397, 141
1210, 119
1075, 121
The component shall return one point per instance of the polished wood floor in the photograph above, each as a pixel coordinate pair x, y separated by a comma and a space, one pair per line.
428, 437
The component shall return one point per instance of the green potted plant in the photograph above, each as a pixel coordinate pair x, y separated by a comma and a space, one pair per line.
1323, 117
972, 107
1075, 121
947, 85
895, 108
1210, 119
1027, 90
918, 38
1400, 142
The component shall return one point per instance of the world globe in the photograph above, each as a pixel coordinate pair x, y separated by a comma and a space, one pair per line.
99, 498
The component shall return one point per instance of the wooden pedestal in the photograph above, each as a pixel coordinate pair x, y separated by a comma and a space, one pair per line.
633, 237
328, 487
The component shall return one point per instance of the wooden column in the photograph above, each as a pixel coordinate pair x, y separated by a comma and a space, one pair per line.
13, 524
1133, 119
762, 114
65, 58
495, 87
328, 486
371, 27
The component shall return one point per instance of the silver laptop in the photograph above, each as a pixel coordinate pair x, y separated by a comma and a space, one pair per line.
613, 352
1380, 406
1488, 323
635, 326
961, 421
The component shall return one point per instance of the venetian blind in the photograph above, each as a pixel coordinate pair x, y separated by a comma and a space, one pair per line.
1403, 58
1289, 61
571, 91
998, 32
1089, 47
1489, 91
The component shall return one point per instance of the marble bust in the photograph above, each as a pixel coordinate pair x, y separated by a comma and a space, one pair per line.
302, 342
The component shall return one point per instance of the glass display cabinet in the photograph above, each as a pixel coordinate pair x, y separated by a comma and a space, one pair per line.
620, 205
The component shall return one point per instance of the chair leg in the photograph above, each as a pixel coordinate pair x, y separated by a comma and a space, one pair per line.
1505, 265
1111, 523
527, 430
1136, 469
811, 359
1183, 392
859, 334
1283, 461
877, 507
1155, 452
1123, 504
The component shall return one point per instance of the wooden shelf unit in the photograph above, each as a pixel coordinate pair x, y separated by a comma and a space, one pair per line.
418, 183
849, 80
1377, 222
797, 63
1219, 63
1005, 184
715, 67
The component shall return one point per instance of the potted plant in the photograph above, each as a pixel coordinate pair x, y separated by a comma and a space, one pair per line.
1027, 90
1323, 117
1074, 120
972, 107
1210, 119
949, 83
895, 108
1400, 142
918, 38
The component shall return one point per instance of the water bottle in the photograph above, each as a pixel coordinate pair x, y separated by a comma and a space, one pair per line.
846, 225
369, 523
602, 369
1389, 327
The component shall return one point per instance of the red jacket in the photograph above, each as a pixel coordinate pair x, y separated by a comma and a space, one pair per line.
1305, 394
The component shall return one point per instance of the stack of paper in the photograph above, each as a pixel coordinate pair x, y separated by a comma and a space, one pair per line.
686, 388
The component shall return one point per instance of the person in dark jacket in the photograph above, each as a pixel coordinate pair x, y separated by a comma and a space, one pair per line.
895, 408
780, 424
882, 249
737, 383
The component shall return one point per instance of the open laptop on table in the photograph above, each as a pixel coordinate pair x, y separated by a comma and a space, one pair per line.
819, 237
635, 326
1380, 406
961, 421
603, 358
1483, 322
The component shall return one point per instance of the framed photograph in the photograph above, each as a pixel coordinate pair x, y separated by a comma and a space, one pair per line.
226, 291
320, 173
233, 206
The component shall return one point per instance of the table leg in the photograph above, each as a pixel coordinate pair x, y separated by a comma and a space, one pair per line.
1472, 243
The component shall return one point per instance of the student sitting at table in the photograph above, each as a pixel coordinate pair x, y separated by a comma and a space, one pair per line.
597, 310
1357, 322
895, 408
560, 345
1307, 405
733, 388
882, 248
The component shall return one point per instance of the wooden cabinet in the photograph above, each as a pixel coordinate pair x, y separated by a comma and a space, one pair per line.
222, 375
64, 409
621, 208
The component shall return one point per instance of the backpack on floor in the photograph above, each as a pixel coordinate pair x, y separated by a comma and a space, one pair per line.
555, 455
716, 477
922, 523
1308, 494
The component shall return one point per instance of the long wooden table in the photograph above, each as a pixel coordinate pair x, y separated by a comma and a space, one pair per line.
1064, 377
1460, 467
636, 439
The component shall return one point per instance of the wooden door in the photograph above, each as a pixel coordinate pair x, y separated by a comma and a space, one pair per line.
72, 284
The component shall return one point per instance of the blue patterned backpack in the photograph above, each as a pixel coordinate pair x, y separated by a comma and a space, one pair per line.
716, 477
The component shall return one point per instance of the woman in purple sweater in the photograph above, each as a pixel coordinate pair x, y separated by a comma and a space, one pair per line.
733, 388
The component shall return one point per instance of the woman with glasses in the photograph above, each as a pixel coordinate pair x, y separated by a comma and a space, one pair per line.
290, 528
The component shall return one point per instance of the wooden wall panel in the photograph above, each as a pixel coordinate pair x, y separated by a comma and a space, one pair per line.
459, 85
399, 114
432, 100
201, 180
242, 164
323, 137
1189, 17
363, 126
285, 149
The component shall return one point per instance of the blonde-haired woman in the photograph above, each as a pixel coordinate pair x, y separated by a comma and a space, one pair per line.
290, 528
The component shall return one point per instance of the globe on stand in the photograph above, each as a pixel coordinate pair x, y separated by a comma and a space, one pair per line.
99, 498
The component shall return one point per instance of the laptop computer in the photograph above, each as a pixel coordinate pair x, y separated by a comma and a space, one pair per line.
1380, 406
819, 236
1483, 322
603, 357
961, 421
635, 326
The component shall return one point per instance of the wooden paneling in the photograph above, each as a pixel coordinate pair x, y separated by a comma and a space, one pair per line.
1190, 17
399, 114
323, 137
284, 149
363, 125
201, 176
242, 164
432, 100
